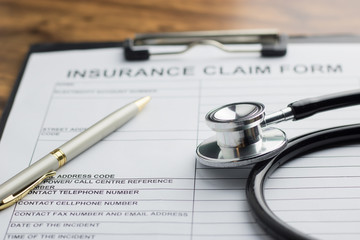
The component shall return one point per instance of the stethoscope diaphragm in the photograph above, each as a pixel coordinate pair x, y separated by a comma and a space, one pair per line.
240, 139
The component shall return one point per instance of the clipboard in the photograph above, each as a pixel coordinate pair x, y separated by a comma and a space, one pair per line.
132, 46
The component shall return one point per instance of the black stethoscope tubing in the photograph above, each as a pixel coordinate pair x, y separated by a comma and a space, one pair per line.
296, 147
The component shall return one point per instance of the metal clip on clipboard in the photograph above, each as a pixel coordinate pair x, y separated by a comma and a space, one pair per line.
272, 44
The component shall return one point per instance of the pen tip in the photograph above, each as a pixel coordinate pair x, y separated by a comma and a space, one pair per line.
140, 103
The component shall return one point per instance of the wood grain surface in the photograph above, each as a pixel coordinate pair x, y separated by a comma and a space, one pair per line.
25, 22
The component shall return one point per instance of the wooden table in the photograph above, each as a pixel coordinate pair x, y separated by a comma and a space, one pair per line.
24, 22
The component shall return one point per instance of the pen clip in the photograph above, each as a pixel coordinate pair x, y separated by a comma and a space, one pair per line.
13, 198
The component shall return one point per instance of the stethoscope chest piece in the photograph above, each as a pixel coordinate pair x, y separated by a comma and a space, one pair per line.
240, 139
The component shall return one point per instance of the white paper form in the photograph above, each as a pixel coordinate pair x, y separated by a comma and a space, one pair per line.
143, 182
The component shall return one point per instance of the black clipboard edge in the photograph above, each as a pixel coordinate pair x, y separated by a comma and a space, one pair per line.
49, 47
11, 98
332, 38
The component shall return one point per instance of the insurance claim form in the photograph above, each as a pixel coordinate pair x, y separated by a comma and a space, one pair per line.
143, 182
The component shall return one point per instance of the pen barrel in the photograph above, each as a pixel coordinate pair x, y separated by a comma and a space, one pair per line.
98, 131
22, 183
29, 175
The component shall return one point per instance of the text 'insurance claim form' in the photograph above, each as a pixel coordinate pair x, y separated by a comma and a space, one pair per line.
143, 182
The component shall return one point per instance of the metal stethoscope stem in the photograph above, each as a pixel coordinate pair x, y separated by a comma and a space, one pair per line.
282, 115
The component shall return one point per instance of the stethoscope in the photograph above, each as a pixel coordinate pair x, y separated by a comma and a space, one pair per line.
243, 137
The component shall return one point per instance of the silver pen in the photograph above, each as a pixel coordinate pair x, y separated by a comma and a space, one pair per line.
22, 183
